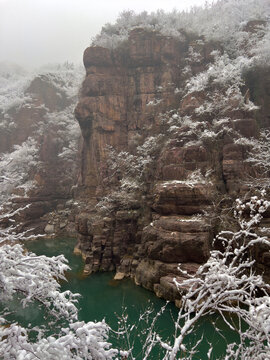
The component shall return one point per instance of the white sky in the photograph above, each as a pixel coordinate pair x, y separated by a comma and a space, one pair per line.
37, 32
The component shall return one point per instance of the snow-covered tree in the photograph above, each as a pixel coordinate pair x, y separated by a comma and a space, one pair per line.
36, 279
202, 20
32, 278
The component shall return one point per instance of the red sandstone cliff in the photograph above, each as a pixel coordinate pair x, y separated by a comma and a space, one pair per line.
163, 159
39, 144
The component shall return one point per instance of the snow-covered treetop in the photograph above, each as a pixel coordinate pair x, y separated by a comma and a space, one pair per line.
205, 20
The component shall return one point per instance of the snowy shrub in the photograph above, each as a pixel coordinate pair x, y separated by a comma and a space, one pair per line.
261, 50
195, 177
134, 166
193, 57
224, 72
154, 102
80, 340
67, 131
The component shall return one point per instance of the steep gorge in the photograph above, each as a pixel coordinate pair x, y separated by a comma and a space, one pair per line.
164, 158
174, 130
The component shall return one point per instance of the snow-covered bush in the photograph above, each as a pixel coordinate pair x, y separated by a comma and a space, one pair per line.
80, 340
66, 129
223, 72
38, 284
258, 156
195, 177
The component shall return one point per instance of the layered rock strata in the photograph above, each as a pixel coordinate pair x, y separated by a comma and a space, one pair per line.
186, 161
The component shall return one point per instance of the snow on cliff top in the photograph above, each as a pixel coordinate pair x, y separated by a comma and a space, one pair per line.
224, 21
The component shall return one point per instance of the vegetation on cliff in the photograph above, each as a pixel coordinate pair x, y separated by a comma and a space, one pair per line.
39, 139
173, 136
206, 21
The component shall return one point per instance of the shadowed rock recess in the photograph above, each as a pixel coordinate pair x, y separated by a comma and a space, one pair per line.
163, 160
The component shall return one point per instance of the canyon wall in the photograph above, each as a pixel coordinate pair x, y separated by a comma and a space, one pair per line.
163, 159
39, 147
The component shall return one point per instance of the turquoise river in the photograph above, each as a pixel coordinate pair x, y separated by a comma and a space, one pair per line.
104, 298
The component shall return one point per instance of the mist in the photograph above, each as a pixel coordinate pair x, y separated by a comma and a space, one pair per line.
37, 32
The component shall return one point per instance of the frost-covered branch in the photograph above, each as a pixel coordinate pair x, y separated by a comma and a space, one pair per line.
35, 277
79, 341
226, 283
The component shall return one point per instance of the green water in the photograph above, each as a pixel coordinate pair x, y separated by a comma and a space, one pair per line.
104, 298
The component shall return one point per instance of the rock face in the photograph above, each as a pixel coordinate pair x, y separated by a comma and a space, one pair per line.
162, 159
39, 146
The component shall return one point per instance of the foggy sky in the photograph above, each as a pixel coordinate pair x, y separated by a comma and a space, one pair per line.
37, 32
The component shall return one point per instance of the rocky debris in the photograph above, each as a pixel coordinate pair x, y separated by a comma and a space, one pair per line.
49, 229
119, 276
61, 221
164, 279
149, 272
